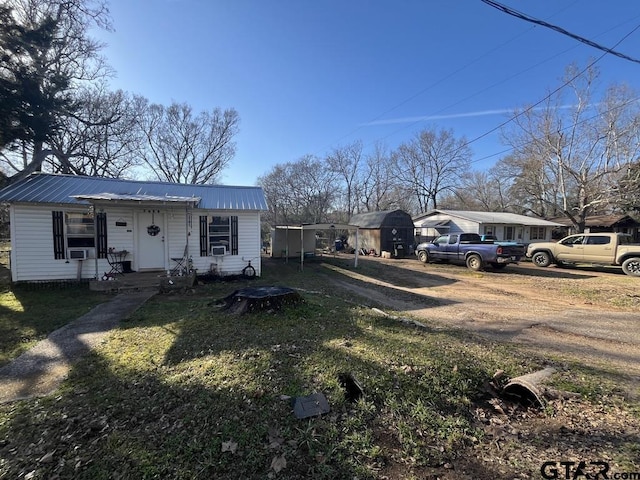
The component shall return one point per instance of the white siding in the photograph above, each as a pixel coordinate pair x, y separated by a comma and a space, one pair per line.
32, 246
32, 242
248, 246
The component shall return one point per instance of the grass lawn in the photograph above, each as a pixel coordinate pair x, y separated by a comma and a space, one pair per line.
185, 391
29, 313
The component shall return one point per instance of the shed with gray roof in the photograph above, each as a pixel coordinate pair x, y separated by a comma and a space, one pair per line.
386, 230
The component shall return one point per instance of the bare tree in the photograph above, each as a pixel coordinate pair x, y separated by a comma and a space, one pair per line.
377, 182
432, 163
346, 163
479, 190
299, 192
184, 147
102, 139
579, 147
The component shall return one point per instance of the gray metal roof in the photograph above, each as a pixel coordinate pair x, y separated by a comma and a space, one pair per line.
48, 188
371, 219
490, 217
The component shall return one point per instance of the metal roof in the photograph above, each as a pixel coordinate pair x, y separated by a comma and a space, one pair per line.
372, 219
490, 217
74, 189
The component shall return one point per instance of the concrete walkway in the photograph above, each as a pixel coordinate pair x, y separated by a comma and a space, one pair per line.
40, 370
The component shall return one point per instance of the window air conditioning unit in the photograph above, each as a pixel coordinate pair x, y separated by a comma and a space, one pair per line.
218, 250
77, 254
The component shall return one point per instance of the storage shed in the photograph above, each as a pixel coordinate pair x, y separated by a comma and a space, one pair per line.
388, 230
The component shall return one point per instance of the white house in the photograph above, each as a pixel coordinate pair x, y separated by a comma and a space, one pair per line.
505, 226
73, 227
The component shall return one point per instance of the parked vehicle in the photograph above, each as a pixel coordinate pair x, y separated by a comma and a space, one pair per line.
494, 239
592, 248
468, 248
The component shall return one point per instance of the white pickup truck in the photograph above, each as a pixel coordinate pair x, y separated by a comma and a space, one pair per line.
591, 248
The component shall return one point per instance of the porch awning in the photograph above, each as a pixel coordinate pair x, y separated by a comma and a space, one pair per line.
439, 224
127, 197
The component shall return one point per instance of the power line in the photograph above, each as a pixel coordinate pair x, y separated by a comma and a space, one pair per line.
561, 30
567, 82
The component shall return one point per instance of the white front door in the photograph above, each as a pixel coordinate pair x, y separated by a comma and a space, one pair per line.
151, 235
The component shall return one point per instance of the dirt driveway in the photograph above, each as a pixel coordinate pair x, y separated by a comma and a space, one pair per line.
587, 314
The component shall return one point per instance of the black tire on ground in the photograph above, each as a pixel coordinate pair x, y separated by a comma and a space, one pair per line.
541, 259
249, 271
498, 266
423, 256
474, 262
631, 266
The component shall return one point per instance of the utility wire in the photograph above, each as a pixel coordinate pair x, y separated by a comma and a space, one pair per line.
561, 30
531, 107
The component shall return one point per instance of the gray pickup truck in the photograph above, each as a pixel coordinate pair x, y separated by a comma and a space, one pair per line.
469, 249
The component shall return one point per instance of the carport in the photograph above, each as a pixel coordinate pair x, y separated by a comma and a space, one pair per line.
301, 239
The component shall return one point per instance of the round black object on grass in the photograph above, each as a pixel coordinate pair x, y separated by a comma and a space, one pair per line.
253, 299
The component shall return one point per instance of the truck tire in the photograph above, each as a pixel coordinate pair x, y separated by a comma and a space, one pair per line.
541, 259
631, 266
474, 262
423, 256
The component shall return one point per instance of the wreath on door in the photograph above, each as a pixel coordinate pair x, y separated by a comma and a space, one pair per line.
153, 229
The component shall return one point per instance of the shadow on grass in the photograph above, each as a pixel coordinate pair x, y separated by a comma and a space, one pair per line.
184, 390
29, 314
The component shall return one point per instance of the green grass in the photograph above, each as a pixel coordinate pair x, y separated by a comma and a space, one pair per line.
184, 390
29, 313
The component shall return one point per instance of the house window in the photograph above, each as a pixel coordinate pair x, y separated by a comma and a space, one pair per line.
537, 233
80, 230
218, 235
77, 231
220, 232
509, 232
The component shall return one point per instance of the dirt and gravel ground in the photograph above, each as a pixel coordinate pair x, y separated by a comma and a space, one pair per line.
592, 314
587, 316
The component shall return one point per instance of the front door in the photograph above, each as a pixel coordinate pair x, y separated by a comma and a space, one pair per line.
151, 235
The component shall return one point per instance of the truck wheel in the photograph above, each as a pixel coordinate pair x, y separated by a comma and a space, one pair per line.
631, 266
541, 259
474, 262
423, 256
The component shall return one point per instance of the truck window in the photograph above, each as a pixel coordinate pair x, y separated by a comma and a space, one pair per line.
470, 238
453, 238
577, 240
598, 240
441, 239
624, 240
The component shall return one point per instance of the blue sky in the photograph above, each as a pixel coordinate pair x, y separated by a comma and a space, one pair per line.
308, 76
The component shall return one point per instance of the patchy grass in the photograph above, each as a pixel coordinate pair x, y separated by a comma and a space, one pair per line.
30, 313
184, 390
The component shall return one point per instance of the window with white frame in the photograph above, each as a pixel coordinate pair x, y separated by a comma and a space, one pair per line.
220, 232
537, 233
218, 235
79, 231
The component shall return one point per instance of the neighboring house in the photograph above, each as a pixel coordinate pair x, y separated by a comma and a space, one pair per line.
601, 223
505, 226
65, 226
389, 230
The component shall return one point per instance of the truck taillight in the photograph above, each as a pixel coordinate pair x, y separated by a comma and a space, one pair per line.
499, 250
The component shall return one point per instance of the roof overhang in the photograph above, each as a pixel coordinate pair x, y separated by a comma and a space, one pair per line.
137, 199
434, 224
318, 226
